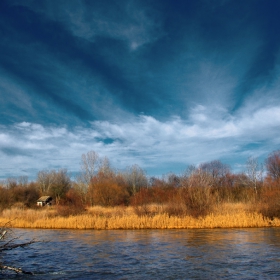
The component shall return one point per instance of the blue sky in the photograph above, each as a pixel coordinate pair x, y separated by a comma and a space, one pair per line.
162, 84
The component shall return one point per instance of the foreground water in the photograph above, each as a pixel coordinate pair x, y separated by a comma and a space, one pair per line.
149, 254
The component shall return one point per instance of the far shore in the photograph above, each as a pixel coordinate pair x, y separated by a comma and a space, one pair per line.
101, 218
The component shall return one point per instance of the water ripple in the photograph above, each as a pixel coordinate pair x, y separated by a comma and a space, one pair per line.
149, 254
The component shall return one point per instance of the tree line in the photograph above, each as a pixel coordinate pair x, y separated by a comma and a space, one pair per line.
194, 192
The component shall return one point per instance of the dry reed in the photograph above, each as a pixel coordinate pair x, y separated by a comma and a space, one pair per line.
225, 216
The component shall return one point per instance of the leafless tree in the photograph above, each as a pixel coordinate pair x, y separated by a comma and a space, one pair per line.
61, 184
89, 165
11, 183
135, 178
215, 168
200, 178
173, 180
45, 180
273, 165
23, 181
254, 172
105, 167
54, 183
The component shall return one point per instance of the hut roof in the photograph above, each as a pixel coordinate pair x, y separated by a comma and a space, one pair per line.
44, 198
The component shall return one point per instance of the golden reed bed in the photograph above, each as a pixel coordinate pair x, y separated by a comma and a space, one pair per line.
124, 218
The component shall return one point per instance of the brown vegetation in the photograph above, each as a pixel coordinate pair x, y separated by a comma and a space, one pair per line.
194, 199
97, 217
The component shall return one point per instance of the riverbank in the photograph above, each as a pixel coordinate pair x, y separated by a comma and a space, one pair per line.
227, 216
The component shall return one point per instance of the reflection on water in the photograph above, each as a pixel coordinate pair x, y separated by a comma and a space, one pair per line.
150, 254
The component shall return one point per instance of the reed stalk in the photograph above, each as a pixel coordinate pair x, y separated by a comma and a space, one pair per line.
226, 216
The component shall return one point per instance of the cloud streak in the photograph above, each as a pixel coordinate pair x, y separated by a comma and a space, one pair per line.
153, 144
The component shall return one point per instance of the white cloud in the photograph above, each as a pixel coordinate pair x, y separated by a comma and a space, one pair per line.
145, 141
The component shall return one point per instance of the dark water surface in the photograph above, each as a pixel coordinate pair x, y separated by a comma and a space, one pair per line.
149, 254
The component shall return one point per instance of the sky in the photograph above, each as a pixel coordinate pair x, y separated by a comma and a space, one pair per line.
161, 84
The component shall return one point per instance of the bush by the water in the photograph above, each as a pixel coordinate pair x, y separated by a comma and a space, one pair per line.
197, 193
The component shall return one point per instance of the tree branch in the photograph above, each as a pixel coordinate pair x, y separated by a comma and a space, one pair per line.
15, 269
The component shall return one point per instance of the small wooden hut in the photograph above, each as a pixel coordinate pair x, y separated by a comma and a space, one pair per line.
44, 200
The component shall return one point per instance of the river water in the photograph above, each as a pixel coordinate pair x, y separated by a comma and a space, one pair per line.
148, 254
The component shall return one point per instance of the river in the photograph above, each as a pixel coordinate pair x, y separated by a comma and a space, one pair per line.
148, 254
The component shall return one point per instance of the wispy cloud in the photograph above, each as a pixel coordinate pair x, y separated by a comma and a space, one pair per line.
151, 143
128, 21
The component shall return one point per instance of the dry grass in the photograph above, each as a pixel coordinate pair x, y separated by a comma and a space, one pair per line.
224, 216
110, 211
232, 208
30, 215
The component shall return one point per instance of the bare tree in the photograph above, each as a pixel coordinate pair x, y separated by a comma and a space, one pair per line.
11, 183
45, 180
254, 172
61, 184
216, 168
105, 167
54, 183
190, 170
89, 165
23, 181
135, 178
206, 174
200, 178
173, 180
273, 165
197, 191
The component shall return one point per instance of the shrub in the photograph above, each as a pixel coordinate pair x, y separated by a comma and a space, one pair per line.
174, 208
71, 204
269, 205
199, 200
106, 191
